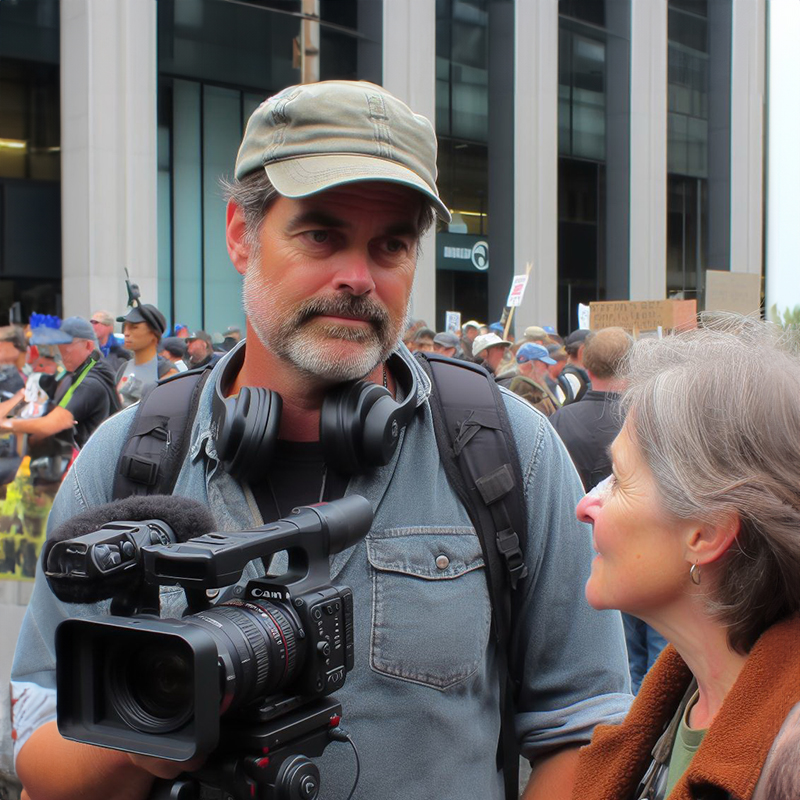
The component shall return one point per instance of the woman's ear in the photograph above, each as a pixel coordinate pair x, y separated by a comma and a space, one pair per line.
236, 238
710, 541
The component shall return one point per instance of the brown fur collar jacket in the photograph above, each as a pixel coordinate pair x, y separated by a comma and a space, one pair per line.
732, 754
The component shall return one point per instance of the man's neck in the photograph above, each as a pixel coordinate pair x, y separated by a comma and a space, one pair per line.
302, 395
103, 340
605, 384
145, 355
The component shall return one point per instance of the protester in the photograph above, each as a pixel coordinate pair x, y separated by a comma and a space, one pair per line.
231, 337
173, 348
446, 344
422, 341
112, 351
143, 327
82, 401
13, 351
325, 226
559, 355
469, 330
199, 349
697, 534
573, 378
529, 383
489, 349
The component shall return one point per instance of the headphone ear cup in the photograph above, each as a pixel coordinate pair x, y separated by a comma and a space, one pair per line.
381, 431
342, 425
247, 429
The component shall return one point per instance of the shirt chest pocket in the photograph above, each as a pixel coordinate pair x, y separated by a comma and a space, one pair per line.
430, 606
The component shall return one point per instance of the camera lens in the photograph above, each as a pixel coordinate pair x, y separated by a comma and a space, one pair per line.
151, 686
260, 648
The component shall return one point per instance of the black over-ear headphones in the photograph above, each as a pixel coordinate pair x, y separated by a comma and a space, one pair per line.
359, 424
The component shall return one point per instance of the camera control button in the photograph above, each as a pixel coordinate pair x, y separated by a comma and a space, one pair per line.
324, 649
442, 561
317, 613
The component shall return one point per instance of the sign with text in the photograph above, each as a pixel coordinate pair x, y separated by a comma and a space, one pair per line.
733, 291
517, 290
644, 315
452, 321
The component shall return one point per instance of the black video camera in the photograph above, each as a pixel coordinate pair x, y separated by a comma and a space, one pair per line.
257, 668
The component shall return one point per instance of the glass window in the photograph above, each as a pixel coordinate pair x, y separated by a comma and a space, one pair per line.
592, 11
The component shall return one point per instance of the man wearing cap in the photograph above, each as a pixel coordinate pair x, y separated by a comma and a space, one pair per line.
573, 378
143, 327
112, 351
173, 348
446, 344
231, 337
83, 399
199, 350
529, 383
334, 187
489, 349
469, 330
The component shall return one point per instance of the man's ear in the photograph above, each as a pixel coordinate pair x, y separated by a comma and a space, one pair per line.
235, 237
709, 542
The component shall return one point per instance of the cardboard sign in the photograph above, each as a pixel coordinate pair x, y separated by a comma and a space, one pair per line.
452, 321
645, 315
733, 291
517, 290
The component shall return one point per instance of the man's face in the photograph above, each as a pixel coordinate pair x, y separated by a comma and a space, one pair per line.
197, 350
445, 351
8, 354
494, 355
74, 353
470, 333
138, 336
424, 344
101, 330
328, 287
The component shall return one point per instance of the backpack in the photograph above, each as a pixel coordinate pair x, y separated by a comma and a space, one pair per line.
476, 449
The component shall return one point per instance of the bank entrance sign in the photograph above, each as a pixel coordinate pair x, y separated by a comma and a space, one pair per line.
463, 252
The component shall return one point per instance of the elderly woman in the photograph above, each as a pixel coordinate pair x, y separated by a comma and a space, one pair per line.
698, 533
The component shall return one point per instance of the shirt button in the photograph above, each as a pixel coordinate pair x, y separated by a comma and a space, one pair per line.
442, 562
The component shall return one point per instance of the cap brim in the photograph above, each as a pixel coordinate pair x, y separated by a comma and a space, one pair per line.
302, 177
548, 360
47, 336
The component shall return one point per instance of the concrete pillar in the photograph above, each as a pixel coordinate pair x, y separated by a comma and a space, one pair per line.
748, 68
783, 166
409, 72
648, 218
108, 151
536, 160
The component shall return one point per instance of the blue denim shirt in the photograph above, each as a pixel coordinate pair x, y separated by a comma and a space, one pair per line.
422, 701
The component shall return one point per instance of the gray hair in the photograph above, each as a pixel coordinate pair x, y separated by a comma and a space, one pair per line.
716, 413
254, 194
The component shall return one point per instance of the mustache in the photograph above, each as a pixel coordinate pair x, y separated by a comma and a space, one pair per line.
344, 306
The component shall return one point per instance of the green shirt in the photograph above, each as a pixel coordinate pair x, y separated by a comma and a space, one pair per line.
687, 740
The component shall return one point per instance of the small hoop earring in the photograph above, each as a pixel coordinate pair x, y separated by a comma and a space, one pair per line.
694, 574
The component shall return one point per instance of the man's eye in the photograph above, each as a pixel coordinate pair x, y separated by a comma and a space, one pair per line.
318, 237
395, 246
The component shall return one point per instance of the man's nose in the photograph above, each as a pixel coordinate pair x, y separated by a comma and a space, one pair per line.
355, 274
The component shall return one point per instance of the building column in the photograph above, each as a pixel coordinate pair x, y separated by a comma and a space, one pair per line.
409, 72
108, 152
535, 162
648, 208
783, 165
748, 76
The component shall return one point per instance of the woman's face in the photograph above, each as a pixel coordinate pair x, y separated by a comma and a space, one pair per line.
640, 566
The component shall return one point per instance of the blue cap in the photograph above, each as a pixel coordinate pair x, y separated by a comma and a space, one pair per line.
497, 327
533, 352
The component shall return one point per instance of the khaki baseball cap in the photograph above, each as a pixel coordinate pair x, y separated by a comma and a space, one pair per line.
315, 136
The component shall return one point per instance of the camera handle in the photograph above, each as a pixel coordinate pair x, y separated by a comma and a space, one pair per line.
263, 761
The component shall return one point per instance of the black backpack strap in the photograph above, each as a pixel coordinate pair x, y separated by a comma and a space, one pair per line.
479, 456
159, 436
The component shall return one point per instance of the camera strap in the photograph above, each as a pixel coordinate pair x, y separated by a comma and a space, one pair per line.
478, 453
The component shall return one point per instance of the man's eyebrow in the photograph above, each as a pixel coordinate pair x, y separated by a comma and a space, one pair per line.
405, 228
316, 217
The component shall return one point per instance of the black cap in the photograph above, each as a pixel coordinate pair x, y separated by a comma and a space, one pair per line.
174, 345
149, 314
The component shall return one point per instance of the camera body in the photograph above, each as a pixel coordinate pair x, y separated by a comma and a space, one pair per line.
169, 688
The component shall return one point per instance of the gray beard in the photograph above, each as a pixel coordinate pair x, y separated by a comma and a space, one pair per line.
307, 347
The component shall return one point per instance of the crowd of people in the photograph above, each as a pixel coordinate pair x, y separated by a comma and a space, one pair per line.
652, 477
